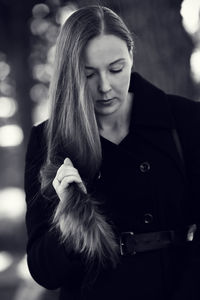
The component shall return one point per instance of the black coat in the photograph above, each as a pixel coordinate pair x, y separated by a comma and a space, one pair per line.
144, 186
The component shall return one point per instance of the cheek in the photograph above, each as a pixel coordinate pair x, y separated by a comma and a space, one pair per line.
122, 83
91, 86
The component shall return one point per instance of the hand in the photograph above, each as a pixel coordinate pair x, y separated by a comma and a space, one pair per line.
65, 175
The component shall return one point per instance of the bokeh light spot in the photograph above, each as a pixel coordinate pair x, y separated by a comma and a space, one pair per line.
6, 89
8, 107
11, 135
52, 33
12, 200
6, 260
190, 10
42, 72
40, 112
195, 65
39, 92
4, 70
39, 26
64, 13
40, 10
22, 269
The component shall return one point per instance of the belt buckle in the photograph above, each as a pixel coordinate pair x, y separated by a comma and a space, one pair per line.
124, 244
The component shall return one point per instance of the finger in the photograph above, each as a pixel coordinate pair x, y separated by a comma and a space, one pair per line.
64, 166
82, 187
55, 183
66, 171
69, 179
68, 162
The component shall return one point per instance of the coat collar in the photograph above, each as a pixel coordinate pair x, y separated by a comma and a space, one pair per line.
150, 104
151, 111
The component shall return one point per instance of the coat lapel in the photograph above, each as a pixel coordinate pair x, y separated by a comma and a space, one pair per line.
152, 117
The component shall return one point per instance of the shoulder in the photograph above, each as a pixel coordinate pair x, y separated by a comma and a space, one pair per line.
37, 142
35, 157
39, 129
185, 111
184, 103
38, 132
163, 108
186, 114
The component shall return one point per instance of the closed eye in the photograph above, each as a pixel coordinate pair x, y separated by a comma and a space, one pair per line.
116, 71
111, 70
90, 75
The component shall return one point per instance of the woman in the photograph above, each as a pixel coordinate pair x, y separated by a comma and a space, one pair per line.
112, 178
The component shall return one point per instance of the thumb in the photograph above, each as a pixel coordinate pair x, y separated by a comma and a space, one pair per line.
68, 162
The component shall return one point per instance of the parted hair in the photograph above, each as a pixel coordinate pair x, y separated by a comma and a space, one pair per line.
72, 132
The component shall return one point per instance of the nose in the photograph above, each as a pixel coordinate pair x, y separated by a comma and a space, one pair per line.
104, 85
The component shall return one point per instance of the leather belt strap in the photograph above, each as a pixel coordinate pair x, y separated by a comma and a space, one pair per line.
131, 243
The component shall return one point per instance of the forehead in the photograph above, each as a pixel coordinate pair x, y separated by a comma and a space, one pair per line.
105, 49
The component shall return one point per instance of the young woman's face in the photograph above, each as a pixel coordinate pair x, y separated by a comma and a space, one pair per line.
108, 64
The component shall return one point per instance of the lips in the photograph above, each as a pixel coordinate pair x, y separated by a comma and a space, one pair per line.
105, 100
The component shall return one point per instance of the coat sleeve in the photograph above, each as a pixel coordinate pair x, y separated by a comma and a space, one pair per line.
187, 117
187, 121
192, 147
51, 263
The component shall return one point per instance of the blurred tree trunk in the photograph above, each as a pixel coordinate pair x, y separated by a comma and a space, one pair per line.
19, 54
14, 42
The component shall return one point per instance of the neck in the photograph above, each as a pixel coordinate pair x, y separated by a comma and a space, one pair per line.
115, 127
117, 120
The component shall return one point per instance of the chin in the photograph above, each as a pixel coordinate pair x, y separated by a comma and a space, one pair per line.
107, 110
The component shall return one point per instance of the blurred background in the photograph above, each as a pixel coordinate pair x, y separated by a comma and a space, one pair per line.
167, 39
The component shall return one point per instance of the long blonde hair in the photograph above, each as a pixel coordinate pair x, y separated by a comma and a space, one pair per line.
72, 132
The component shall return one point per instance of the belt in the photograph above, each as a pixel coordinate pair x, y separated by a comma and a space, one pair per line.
131, 243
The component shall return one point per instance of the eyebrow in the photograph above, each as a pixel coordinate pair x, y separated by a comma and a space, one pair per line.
112, 63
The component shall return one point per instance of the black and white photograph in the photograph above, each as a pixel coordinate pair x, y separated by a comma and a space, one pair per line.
100, 149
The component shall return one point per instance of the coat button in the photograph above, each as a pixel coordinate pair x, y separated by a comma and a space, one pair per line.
148, 218
145, 167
